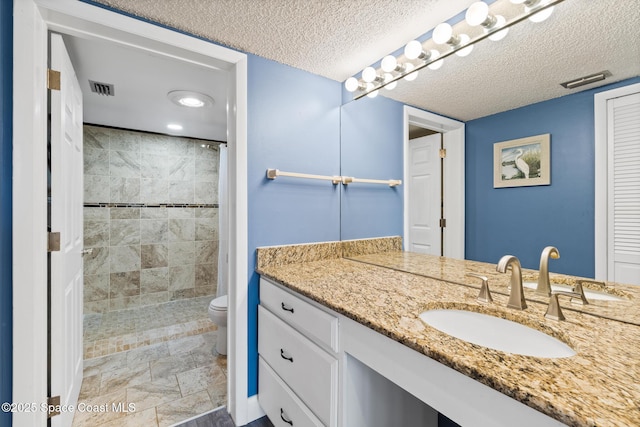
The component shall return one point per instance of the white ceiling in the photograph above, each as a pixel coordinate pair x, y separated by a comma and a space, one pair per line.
338, 38
141, 82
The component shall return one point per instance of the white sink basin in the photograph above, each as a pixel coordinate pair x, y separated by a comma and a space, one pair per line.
496, 333
589, 293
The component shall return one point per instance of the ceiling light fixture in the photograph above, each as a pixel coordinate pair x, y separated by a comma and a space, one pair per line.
188, 98
174, 126
479, 24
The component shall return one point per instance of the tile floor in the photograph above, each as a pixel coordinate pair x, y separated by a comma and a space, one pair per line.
123, 330
176, 378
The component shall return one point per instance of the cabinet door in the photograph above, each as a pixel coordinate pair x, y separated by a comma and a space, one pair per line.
281, 405
307, 369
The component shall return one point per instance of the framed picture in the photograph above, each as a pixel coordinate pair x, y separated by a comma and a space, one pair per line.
522, 162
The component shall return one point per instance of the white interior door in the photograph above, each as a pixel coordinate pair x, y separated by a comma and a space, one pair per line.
66, 218
623, 135
424, 195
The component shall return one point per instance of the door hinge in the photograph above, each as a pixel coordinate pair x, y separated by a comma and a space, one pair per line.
443, 153
443, 222
53, 406
53, 79
53, 241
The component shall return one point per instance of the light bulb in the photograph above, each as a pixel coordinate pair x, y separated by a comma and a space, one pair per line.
352, 84
413, 49
389, 86
540, 16
477, 13
410, 77
191, 102
435, 65
389, 64
499, 35
369, 74
372, 94
464, 39
442, 33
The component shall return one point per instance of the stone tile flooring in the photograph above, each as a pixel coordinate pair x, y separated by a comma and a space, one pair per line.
124, 330
161, 360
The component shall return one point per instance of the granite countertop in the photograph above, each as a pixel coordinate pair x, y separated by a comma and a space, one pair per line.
597, 387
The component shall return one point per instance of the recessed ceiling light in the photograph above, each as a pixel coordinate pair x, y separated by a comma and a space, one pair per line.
174, 126
187, 98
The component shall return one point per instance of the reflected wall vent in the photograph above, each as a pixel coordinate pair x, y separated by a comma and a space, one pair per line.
586, 80
105, 89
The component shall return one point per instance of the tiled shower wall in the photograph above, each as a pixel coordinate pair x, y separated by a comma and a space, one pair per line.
150, 217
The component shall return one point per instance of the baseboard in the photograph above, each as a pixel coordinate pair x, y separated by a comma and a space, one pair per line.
254, 410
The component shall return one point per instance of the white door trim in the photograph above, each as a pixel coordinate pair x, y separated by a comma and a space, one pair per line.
32, 20
601, 185
454, 139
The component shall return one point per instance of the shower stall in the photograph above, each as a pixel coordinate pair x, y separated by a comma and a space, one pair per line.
151, 238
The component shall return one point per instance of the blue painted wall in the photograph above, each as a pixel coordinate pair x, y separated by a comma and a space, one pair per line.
371, 146
294, 126
522, 221
6, 294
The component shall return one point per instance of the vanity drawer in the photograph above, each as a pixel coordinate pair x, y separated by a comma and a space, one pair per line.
280, 403
307, 369
306, 318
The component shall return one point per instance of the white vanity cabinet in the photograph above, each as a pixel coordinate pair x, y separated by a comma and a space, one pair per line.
320, 368
298, 363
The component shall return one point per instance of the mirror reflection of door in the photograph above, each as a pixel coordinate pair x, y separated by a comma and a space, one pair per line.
623, 138
424, 193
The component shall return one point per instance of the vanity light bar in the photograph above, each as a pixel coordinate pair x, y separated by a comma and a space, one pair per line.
386, 79
345, 180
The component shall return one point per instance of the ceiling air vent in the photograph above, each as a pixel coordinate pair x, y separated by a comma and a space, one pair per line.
586, 80
105, 89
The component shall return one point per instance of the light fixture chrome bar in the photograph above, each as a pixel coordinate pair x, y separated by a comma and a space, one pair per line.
274, 173
471, 42
572, 84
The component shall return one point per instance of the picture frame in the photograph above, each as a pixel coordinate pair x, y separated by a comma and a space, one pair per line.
522, 162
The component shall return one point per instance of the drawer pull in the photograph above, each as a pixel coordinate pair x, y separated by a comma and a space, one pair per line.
284, 419
290, 359
285, 308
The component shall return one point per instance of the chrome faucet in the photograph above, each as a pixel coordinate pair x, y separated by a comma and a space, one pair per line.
544, 287
516, 297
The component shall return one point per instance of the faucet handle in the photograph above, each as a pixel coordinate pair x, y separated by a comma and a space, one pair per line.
485, 294
579, 290
554, 311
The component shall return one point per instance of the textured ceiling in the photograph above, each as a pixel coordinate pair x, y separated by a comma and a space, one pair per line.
338, 38
331, 38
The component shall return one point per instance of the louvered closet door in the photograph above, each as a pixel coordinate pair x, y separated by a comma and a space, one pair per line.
623, 122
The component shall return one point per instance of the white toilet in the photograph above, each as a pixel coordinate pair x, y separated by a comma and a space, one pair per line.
218, 315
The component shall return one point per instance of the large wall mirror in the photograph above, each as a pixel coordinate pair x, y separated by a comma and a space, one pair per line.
502, 91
